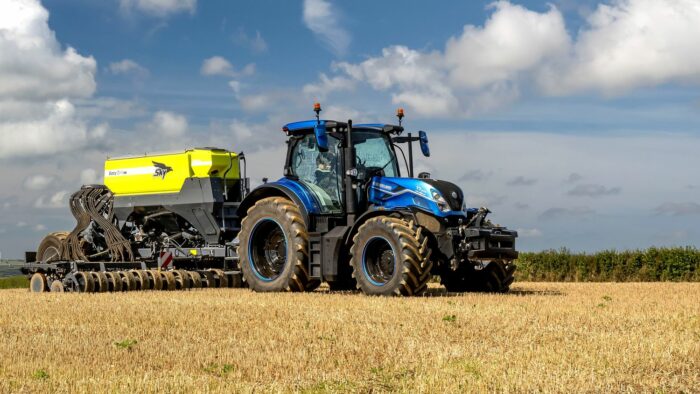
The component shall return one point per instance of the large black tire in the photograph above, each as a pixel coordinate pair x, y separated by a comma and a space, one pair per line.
51, 247
390, 256
495, 277
273, 247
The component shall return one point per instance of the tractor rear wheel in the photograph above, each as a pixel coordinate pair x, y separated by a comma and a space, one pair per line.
274, 247
390, 256
495, 277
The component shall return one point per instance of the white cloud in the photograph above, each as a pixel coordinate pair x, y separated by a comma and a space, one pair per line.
235, 86
109, 108
341, 113
217, 65
324, 21
89, 176
38, 181
265, 101
478, 70
56, 200
60, 131
33, 66
39, 227
169, 124
128, 66
160, 8
248, 70
625, 45
630, 44
39, 80
240, 130
256, 43
259, 139
513, 39
327, 85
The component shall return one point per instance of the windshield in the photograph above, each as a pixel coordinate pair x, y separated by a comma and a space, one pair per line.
374, 153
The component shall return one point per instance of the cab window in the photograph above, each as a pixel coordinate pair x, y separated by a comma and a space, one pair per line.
320, 172
374, 154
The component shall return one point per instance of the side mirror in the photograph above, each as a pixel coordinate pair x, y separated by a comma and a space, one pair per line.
321, 137
424, 147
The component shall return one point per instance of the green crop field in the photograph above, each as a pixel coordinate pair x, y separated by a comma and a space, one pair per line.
650, 265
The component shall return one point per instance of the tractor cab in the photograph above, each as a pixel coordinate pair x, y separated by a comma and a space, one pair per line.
321, 167
342, 165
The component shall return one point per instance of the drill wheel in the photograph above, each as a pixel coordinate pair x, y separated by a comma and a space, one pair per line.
85, 282
169, 282
57, 287
142, 282
220, 277
101, 282
209, 281
182, 279
129, 281
38, 283
115, 281
155, 279
196, 279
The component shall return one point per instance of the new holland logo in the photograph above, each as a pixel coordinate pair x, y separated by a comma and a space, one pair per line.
161, 170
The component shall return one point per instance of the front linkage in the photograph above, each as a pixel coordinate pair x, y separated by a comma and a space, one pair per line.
481, 255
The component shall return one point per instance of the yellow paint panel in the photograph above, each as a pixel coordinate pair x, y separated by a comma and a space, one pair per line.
166, 173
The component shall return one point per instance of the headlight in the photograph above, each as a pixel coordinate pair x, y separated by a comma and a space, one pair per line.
440, 200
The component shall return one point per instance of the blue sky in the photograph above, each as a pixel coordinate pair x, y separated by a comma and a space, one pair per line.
575, 122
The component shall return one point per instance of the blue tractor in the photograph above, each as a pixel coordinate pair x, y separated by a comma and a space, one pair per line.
344, 214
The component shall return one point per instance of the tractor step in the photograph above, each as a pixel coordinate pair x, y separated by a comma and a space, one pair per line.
315, 261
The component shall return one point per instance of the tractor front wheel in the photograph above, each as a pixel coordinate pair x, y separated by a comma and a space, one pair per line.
390, 256
273, 247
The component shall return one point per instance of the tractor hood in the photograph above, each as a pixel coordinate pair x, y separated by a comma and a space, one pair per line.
441, 198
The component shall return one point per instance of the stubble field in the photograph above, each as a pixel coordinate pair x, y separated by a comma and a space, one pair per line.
550, 337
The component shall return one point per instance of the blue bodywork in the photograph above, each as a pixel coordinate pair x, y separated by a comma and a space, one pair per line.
398, 193
304, 125
305, 196
309, 125
389, 193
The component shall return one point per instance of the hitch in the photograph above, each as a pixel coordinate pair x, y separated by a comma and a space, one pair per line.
488, 243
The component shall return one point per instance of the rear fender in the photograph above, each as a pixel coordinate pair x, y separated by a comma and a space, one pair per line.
283, 188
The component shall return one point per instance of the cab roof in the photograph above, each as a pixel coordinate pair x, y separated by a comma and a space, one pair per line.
305, 126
